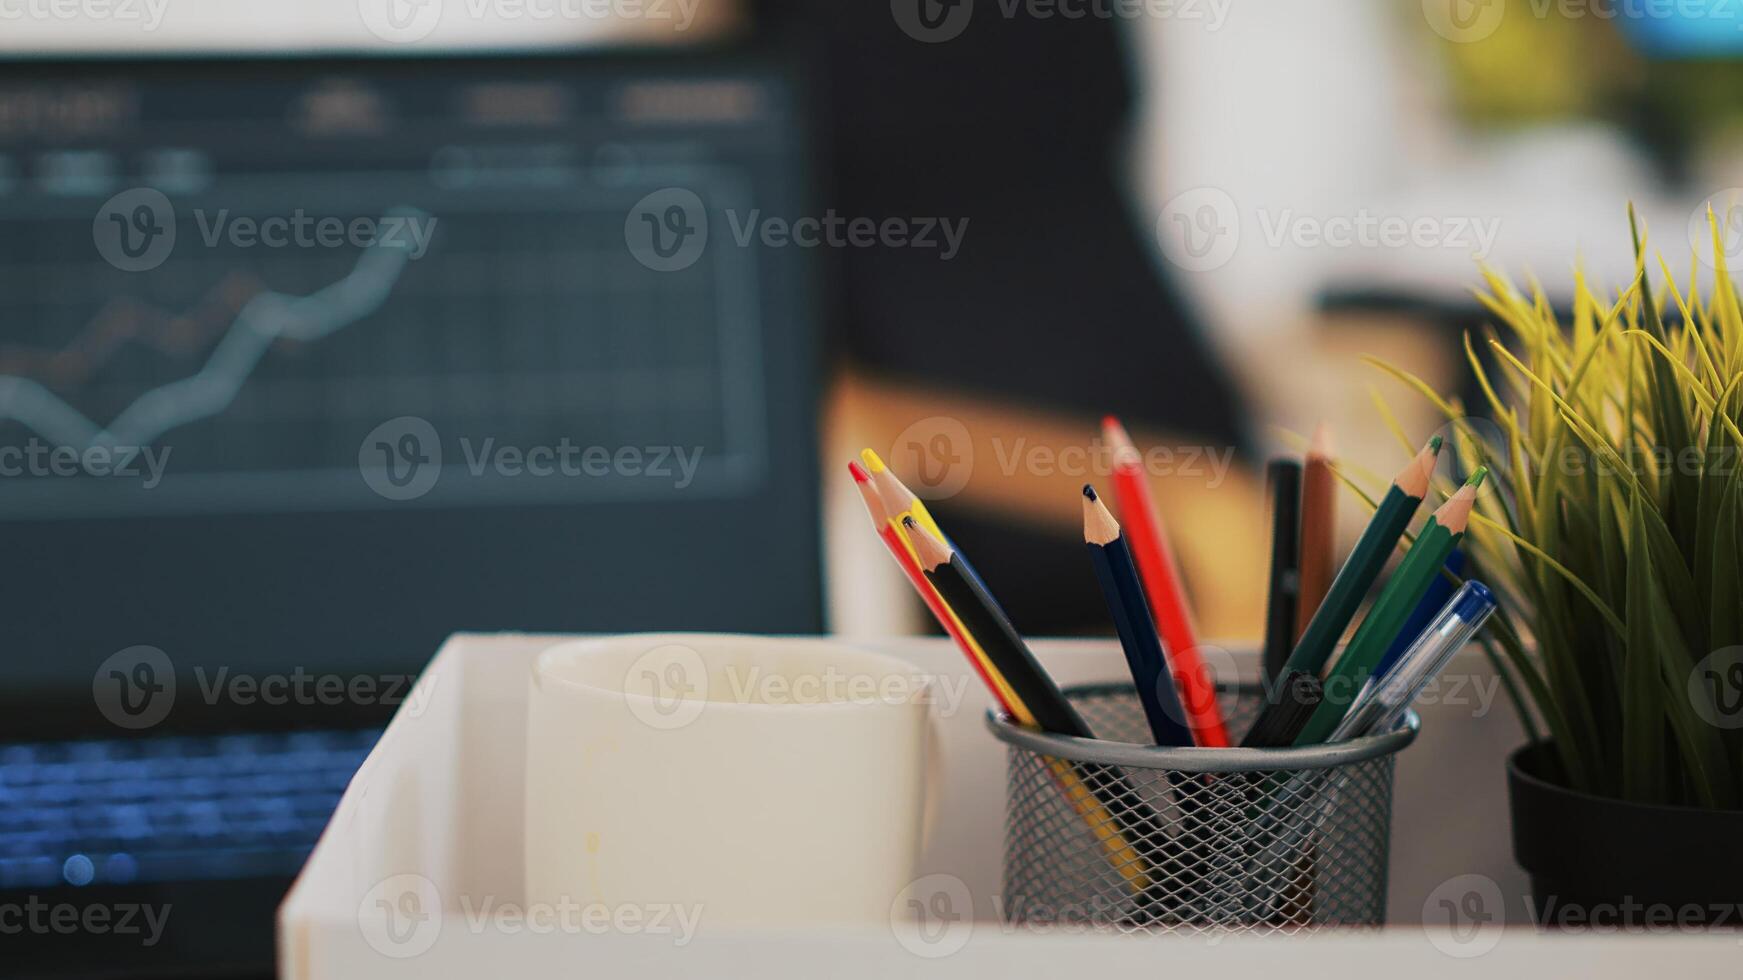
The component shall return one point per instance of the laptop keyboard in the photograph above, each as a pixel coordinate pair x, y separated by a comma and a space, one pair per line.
169, 808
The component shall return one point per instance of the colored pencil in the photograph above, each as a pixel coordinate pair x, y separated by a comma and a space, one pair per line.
1283, 476
899, 498
885, 525
1104, 797
1440, 590
1318, 529
1004, 646
1138, 638
1366, 560
1160, 579
1369, 556
1421, 565
1297, 696
896, 493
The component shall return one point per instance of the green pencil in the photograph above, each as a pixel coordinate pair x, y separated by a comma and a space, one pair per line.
1418, 570
1372, 550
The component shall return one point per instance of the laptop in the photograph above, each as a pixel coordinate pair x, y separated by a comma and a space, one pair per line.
306, 365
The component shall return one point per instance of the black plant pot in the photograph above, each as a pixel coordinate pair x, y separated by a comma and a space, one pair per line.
1595, 861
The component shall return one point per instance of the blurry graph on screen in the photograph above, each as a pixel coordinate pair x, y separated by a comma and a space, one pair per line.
526, 322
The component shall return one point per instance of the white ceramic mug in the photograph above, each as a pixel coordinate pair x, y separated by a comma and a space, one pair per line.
758, 780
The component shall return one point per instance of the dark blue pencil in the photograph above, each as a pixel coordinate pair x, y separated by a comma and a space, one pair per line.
1131, 614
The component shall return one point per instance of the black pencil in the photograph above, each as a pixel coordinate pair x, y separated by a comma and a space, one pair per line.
986, 622
1294, 698
1284, 590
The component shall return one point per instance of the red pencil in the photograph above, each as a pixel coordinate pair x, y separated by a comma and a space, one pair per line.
1161, 576
886, 529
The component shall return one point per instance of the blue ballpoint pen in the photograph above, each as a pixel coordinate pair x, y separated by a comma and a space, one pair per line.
1385, 698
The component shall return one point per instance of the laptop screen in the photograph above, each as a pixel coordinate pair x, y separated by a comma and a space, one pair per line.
305, 365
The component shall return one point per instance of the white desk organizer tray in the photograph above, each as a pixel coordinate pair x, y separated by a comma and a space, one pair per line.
440, 799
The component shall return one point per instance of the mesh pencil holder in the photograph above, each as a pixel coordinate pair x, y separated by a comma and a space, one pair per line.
1118, 835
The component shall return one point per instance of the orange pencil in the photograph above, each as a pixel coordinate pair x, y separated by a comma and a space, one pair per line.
1161, 577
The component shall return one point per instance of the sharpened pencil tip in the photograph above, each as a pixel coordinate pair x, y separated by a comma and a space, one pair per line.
872, 461
1477, 478
1434, 445
858, 471
1089, 491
